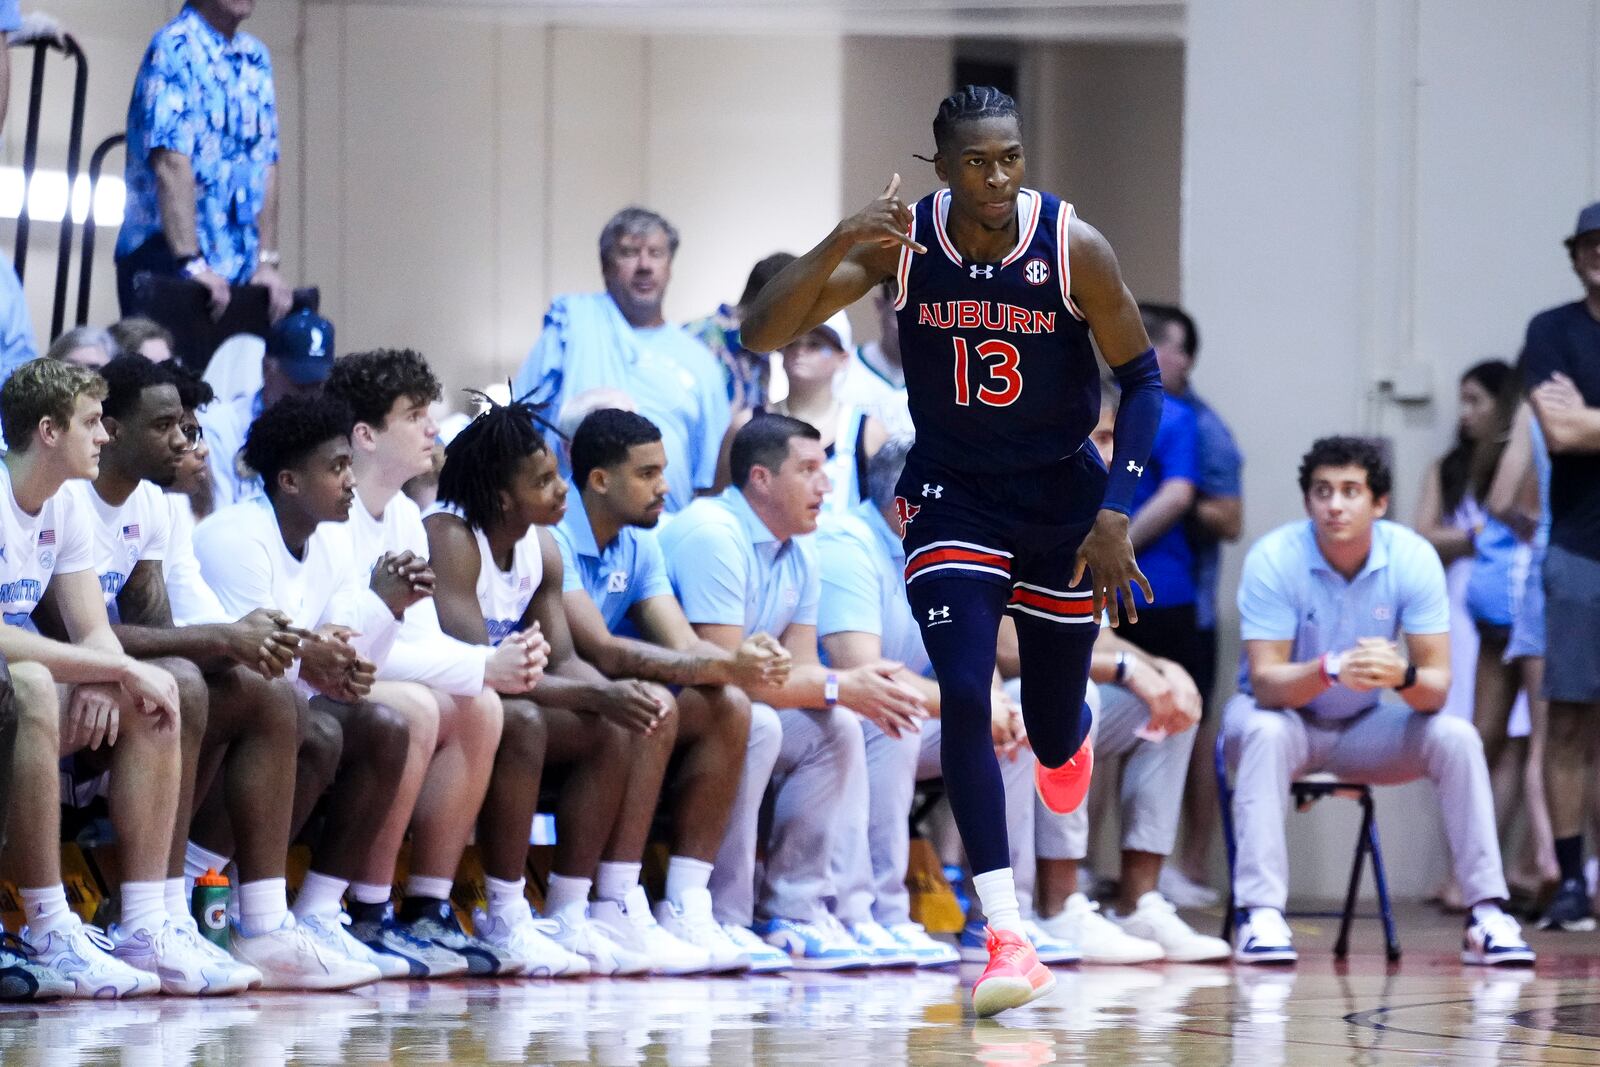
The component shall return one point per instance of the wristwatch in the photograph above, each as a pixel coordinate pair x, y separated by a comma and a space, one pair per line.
269, 258
194, 266
1331, 662
830, 689
1410, 678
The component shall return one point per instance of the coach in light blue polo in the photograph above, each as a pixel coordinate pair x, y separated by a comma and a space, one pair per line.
1335, 612
863, 585
617, 575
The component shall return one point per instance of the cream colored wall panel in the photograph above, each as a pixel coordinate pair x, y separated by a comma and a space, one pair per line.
599, 82
744, 136
418, 206
521, 152
321, 176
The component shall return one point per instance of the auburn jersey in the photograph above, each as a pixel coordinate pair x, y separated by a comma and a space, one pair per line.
1000, 372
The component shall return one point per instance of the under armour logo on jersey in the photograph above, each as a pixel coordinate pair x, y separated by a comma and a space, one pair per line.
1136, 469
935, 491
981, 270
938, 616
905, 511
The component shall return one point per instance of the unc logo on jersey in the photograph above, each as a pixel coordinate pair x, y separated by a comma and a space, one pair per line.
617, 582
981, 270
905, 511
1036, 271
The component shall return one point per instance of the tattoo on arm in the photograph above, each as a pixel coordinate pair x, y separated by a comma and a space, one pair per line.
143, 599
638, 659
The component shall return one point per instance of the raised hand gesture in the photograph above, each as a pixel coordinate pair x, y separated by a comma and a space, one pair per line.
884, 222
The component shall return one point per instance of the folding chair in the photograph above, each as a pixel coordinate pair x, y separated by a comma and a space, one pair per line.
1306, 792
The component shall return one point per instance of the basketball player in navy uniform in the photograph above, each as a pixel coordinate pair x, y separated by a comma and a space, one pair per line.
1005, 504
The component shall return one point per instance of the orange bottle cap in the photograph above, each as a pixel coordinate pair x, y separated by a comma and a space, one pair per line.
211, 878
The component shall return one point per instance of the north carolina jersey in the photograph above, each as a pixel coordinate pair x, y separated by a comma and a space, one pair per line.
35, 547
138, 529
504, 596
1000, 373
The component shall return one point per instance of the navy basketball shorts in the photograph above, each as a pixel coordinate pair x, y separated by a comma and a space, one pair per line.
1021, 530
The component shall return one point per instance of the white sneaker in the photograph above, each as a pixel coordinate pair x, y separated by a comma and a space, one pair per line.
1155, 919
1185, 892
291, 957
1098, 939
82, 955
764, 958
333, 936
690, 921
1262, 936
821, 945
573, 930
881, 946
518, 935
668, 954
1495, 940
926, 950
183, 967
251, 976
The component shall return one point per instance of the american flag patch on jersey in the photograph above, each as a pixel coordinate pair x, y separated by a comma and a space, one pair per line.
48, 537
130, 532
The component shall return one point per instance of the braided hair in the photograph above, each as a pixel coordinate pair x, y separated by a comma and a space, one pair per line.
968, 104
480, 461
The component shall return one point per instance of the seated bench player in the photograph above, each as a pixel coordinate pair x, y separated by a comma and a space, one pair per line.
625, 620
289, 550
248, 734
388, 392
498, 575
82, 693
741, 563
1323, 605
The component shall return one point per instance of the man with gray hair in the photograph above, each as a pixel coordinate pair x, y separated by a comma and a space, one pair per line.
620, 339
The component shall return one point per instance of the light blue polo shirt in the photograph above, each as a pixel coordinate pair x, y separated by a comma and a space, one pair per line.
863, 585
728, 569
616, 577
1288, 591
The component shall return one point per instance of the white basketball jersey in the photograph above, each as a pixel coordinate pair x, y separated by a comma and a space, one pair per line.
503, 596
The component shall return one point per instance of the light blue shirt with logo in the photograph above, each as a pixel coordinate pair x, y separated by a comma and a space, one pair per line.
1290, 592
628, 570
729, 569
863, 585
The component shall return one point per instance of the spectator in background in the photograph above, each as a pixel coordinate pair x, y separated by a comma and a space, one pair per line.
873, 376
299, 358
89, 347
17, 344
202, 170
748, 374
1217, 516
1561, 368
143, 337
619, 338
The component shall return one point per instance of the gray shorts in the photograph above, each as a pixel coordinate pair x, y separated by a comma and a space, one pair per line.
1527, 612
1572, 627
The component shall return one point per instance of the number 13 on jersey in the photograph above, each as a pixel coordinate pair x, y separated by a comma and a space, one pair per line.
1002, 383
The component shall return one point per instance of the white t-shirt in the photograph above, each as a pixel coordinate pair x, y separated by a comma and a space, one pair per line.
33, 548
423, 652
861, 384
245, 562
193, 602
504, 596
122, 536
226, 425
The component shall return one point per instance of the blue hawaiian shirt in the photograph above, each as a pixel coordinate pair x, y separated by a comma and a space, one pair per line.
209, 98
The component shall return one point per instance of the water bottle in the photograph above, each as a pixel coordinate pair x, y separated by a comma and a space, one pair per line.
210, 906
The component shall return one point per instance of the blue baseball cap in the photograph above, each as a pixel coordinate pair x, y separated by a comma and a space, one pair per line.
1588, 222
302, 343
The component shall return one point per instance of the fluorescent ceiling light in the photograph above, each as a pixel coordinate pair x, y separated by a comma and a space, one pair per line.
47, 201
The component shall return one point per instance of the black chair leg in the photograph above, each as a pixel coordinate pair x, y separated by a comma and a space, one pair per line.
1391, 938
1341, 947
1225, 801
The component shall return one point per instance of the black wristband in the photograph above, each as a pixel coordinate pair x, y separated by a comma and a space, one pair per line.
1410, 678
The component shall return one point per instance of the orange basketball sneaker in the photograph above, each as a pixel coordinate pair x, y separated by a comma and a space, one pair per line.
1063, 788
1014, 976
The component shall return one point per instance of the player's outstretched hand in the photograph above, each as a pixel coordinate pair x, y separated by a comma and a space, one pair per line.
1107, 554
886, 221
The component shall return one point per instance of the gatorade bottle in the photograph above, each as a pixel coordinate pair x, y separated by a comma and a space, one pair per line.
210, 906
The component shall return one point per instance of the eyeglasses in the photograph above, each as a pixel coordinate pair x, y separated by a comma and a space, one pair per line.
192, 434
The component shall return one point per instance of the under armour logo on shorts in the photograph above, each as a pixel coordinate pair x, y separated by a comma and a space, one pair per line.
981, 271
1135, 468
935, 491
937, 616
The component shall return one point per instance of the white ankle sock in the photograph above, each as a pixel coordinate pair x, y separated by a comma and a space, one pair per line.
997, 892
197, 860
370, 893
177, 901
1485, 909
616, 880
144, 905
684, 874
565, 892
45, 909
422, 885
262, 906
320, 894
506, 898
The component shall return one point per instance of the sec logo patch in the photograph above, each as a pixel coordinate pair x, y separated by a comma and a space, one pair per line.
1036, 271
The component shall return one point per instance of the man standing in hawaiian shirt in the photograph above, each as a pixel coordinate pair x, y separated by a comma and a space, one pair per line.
202, 167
